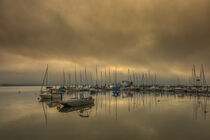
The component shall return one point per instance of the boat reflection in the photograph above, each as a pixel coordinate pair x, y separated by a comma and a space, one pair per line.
50, 103
106, 104
127, 94
200, 107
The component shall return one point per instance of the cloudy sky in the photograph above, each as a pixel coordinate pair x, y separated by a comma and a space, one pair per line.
162, 36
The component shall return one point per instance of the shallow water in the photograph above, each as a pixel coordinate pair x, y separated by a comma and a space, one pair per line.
146, 116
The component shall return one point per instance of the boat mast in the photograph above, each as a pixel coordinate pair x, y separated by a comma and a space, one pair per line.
146, 79
69, 79
155, 83
101, 78
86, 80
80, 77
142, 80
91, 79
96, 76
47, 76
202, 76
75, 76
137, 79
139, 75
105, 77
193, 76
149, 78
115, 76
134, 80
109, 77
45, 80
64, 78
128, 75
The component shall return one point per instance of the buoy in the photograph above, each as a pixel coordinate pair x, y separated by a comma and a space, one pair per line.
58, 106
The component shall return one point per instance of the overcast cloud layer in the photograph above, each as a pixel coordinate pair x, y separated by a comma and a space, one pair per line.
162, 36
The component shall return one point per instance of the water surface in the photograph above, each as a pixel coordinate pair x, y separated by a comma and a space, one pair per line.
146, 116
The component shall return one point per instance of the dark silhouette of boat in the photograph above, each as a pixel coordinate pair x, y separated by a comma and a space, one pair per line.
78, 102
66, 109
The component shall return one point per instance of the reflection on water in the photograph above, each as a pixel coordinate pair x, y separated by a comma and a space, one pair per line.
200, 107
132, 115
82, 110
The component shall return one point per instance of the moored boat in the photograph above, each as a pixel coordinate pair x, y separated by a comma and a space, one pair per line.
78, 102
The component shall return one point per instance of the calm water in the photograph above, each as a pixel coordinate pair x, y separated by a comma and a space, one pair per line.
147, 116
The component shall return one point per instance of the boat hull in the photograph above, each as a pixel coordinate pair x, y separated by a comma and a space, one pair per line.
66, 109
76, 103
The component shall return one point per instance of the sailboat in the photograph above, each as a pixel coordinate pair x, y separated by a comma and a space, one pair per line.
116, 91
83, 101
95, 88
46, 91
62, 89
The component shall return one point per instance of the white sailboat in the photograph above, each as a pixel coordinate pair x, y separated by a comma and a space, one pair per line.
44, 92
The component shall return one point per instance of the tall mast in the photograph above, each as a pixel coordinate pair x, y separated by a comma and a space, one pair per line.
139, 79
69, 79
133, 78
115, 76
86, 80
202, 76
142, 79
47, 76
45, 79
149, 78
105, 77
128, 75
96, 76
101, 78
193, 76
75, 75
91, 79
155, 82
109, 77
80, 75
178, 81
146, 79
64, 78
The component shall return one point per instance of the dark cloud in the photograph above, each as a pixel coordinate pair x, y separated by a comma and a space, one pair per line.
161, 35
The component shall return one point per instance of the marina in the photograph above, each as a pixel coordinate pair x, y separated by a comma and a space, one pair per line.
196, 85
104, 70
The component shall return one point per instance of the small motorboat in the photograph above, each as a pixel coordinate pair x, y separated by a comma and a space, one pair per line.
78, 102
66, 109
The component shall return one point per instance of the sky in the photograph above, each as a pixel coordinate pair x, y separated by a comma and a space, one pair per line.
158, 36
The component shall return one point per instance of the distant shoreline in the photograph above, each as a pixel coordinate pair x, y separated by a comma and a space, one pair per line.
13, 85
